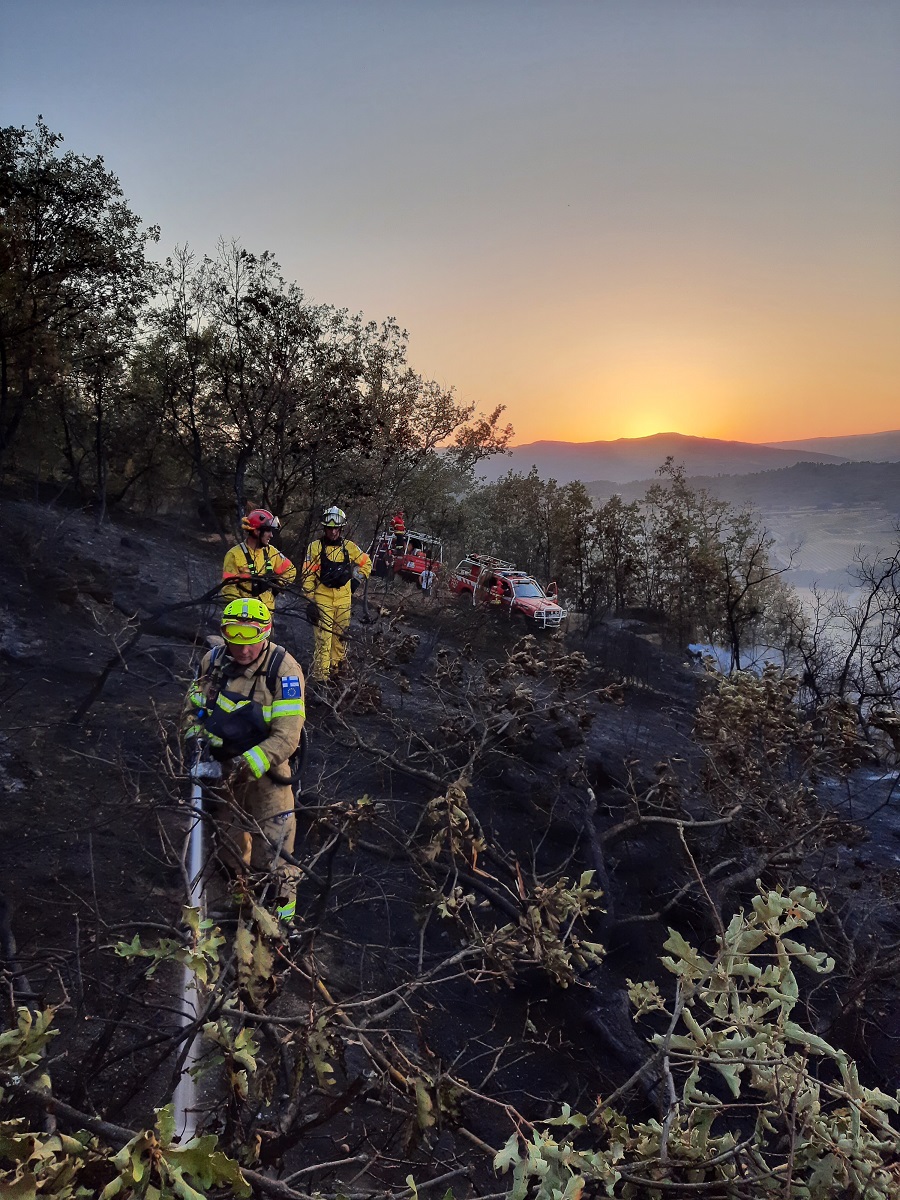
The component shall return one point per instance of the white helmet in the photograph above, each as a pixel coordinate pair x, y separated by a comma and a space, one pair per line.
334, 517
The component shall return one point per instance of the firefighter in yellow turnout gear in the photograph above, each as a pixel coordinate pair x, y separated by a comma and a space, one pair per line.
330, 575
246, 708
251, 565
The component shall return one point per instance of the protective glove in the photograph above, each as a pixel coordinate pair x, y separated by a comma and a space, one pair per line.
312, 613
193, 750
354, 584
231, 767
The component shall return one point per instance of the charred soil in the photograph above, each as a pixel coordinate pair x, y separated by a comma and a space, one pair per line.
441, 986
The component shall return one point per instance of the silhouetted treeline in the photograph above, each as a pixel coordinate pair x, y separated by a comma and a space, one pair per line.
198, 383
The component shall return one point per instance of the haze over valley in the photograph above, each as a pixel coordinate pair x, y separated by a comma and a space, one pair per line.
823, 499
627, 459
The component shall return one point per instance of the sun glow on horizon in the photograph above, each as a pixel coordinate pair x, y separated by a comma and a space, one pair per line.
633, 380
755, 403
645, 422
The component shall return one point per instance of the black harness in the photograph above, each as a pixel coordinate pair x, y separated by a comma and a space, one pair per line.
335, 574
258, 585
245, 726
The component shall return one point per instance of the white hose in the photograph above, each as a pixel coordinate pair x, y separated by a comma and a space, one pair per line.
185, 1098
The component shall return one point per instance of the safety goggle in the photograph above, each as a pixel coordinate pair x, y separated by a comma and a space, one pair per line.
271, 527
244, 635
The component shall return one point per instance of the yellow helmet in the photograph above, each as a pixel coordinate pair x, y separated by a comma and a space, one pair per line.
246, 622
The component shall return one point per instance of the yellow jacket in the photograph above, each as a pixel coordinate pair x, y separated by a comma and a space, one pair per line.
223, 689
244, 568
334, 553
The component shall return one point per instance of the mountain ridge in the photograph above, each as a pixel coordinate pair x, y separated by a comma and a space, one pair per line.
821, 485
624, 460
859, 447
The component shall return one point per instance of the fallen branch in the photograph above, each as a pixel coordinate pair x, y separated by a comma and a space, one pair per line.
144, 626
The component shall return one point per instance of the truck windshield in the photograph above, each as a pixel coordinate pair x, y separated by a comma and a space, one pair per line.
529, 591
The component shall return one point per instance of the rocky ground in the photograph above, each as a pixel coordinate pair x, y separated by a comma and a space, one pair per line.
456, 773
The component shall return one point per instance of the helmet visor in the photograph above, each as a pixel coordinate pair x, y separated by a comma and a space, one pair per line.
244, 634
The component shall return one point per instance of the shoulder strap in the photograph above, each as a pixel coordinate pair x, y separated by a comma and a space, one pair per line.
275, 660
214, 671
342, 545
251, 561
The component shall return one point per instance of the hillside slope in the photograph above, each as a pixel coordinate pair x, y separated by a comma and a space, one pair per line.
860, 447
458, 774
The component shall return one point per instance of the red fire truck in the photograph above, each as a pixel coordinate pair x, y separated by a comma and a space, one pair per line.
498, 583
417, 557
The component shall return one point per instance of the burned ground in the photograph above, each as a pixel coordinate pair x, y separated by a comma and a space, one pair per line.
442, 987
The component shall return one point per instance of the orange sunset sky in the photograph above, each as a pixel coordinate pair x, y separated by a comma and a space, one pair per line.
614, 218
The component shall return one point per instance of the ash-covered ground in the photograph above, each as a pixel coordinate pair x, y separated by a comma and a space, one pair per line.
459, 772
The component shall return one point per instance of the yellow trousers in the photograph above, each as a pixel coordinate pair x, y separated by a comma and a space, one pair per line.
330, 635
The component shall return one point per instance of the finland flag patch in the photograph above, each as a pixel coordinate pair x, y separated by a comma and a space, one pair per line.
290, 687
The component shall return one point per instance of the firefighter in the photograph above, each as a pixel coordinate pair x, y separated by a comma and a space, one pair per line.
398, 532
330, 575
246, 709
254, 567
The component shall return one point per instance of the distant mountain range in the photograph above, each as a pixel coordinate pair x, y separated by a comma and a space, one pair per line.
859, 447
802, 485
628, 459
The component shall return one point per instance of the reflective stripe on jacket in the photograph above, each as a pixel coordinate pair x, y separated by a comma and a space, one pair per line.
222, 693
243, 568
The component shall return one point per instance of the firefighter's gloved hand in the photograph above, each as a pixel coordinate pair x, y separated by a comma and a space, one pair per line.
193, 750
312, 613
231, 768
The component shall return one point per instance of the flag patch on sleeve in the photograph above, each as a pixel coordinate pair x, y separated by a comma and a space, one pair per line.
290, 687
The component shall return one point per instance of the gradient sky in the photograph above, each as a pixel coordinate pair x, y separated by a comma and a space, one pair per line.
614, 217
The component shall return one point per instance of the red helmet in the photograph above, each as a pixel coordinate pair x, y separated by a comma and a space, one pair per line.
260, 521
